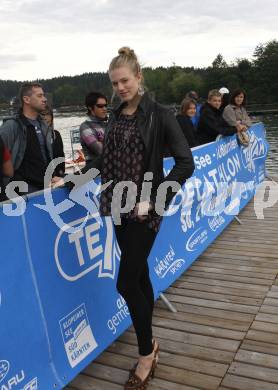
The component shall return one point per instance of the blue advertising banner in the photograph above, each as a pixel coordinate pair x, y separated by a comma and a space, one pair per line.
59, 308
25, 352
225, 179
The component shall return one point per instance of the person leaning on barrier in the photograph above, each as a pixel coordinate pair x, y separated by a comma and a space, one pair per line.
211, 122
6, 168
226, 96
29, 139
193, 95
93, 129
57, 145
235, 114
137, 134
188, 111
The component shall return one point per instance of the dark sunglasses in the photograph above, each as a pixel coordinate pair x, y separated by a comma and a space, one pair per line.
101, 105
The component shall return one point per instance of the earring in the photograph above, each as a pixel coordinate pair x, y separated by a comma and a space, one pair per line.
141, 90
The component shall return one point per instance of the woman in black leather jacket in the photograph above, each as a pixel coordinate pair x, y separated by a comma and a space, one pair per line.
137, 135
138, 132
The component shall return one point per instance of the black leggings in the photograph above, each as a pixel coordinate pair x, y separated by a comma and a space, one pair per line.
136, 240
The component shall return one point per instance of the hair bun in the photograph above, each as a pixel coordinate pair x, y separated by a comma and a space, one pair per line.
126, 51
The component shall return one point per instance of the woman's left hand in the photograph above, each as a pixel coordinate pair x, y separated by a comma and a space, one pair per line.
142, 210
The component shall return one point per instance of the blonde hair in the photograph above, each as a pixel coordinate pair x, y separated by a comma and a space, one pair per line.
214, 92
126, 57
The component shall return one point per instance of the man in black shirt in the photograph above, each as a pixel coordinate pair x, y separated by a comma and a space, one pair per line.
29, 139
6, 168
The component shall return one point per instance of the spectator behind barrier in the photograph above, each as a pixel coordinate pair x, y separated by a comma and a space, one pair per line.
235, 114
226, 96
58, 147
93, 129
193, 95
6, 168
187, 112
29, 140
211, 122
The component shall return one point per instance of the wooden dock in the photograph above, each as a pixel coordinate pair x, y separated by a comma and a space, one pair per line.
225, 334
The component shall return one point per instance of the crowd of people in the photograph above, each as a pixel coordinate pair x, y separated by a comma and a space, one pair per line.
28, 142
130, 146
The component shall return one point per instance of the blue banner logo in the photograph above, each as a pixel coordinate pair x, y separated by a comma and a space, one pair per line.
255, 150
91, 247
198, 238
4, 369
168, 264
77, 334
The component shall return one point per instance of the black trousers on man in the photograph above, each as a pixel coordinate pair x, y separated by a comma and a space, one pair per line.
136, 240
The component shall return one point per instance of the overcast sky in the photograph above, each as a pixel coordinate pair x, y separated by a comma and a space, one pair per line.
43, 39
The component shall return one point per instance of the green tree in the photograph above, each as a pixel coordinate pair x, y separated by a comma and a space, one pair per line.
219, 62
65, 95
183, 82
266, 65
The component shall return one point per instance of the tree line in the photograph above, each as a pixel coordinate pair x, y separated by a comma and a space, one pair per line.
169, 84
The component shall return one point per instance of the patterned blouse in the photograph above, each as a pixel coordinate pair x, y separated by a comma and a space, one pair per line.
123, 160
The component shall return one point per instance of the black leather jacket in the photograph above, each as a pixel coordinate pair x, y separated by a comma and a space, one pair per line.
211, 124
160, 131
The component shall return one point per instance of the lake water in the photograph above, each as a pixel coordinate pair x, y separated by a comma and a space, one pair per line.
68, 121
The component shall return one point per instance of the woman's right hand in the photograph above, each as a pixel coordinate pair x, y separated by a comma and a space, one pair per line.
241, 127
57, 182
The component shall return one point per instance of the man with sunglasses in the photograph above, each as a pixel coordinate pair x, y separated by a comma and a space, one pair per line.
92, 130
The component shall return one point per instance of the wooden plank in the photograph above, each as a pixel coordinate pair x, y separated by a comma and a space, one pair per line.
256, 372
224, 388
245, 246
199, 329
241, 383
236, 266
203, 347
217, 297
269, 309
234, 250
120, 358
260, 346
233, 278
247, 232
213, 304
267, 318
224, 283
171, 374
265, 326
236, 256
85, 382
95, 372
272, 294
262, 336
204, 320
271, 302
217, 313
241, 292
187, 377
248, 237
242, 261
109, 374
260, 359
